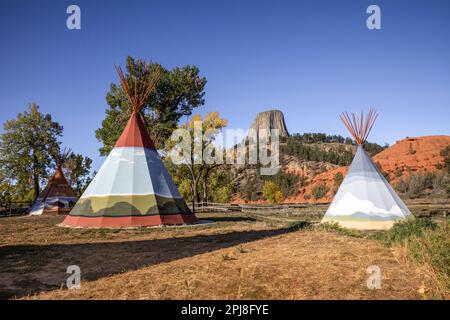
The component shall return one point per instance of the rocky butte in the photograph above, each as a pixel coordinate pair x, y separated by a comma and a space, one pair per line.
271, 119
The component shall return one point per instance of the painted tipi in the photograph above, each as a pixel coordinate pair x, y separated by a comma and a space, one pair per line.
365, 200
57, 197
132, 187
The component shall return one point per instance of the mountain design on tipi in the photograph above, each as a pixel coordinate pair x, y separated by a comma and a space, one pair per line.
132, 187
57, 197
365, 199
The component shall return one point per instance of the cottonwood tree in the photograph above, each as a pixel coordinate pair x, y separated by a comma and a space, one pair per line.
197, 169
26, 148
176, 94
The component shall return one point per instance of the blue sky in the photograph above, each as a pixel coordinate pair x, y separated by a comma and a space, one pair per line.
311, 59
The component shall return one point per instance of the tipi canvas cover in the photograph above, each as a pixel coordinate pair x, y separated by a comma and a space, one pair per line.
56, 198
365, 199
132, 187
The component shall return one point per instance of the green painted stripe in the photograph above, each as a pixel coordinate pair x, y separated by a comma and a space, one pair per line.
129, 205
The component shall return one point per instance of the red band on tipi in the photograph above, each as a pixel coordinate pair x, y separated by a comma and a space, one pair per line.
135, 134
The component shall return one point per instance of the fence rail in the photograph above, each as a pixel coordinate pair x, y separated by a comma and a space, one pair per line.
14, 208
224, 207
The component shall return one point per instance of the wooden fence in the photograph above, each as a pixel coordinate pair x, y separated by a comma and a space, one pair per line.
8, 209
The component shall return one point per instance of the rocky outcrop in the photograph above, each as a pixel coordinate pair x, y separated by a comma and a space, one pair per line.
272, 119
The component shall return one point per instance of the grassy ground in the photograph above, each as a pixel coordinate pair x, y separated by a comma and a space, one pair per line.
239, 256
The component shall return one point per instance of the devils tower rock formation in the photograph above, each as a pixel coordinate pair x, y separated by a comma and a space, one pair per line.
272, 119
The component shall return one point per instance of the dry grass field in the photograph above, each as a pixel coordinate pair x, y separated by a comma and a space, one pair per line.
237, 256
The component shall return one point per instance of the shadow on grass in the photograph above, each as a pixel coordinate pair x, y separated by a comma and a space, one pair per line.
28, 269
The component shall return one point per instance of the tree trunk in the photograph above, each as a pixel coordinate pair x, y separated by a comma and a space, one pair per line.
35, 177
205, 191
205, 181
195, 180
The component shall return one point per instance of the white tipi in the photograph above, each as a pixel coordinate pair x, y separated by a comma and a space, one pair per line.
365, 200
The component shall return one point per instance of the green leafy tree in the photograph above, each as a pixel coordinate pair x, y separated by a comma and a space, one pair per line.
77, 169
176, 94
26, 147
272, 192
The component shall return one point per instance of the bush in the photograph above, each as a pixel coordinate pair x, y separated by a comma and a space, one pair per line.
338, 178
287, 183
272, 192
222, 194
320, 191
431, 249
446, 154
405, 229
335, 227
427, 244
298, 225
419, 183
401, 186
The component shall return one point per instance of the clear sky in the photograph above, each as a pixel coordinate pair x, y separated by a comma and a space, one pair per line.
311, 59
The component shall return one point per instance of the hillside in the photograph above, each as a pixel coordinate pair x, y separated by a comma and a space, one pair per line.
314, 170
405, 157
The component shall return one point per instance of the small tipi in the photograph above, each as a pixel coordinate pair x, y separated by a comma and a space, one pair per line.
132, 187
57, 197
365, 200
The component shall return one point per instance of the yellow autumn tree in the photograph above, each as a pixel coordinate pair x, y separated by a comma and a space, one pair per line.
212, 123
272, 192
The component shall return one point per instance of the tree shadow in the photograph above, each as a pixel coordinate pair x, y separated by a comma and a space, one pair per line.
28, 269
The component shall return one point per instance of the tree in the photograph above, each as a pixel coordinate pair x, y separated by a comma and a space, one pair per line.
446, 154
272, 192
26, 147
177, 93
198, 169
77, 169
4, 187
338, 178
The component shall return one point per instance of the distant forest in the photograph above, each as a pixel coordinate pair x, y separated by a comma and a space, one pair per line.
298, 145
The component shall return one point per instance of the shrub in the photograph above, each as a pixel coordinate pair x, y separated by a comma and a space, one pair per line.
320, 191
335, 227
405, 229
427, 244
338, 178
222, 194
287, 183
411, 150
431, 250
446, 154
298, 225
272, 192
401, 186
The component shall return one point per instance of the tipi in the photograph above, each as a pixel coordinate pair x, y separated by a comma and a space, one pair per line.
365, 200
57, 197
132, 187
